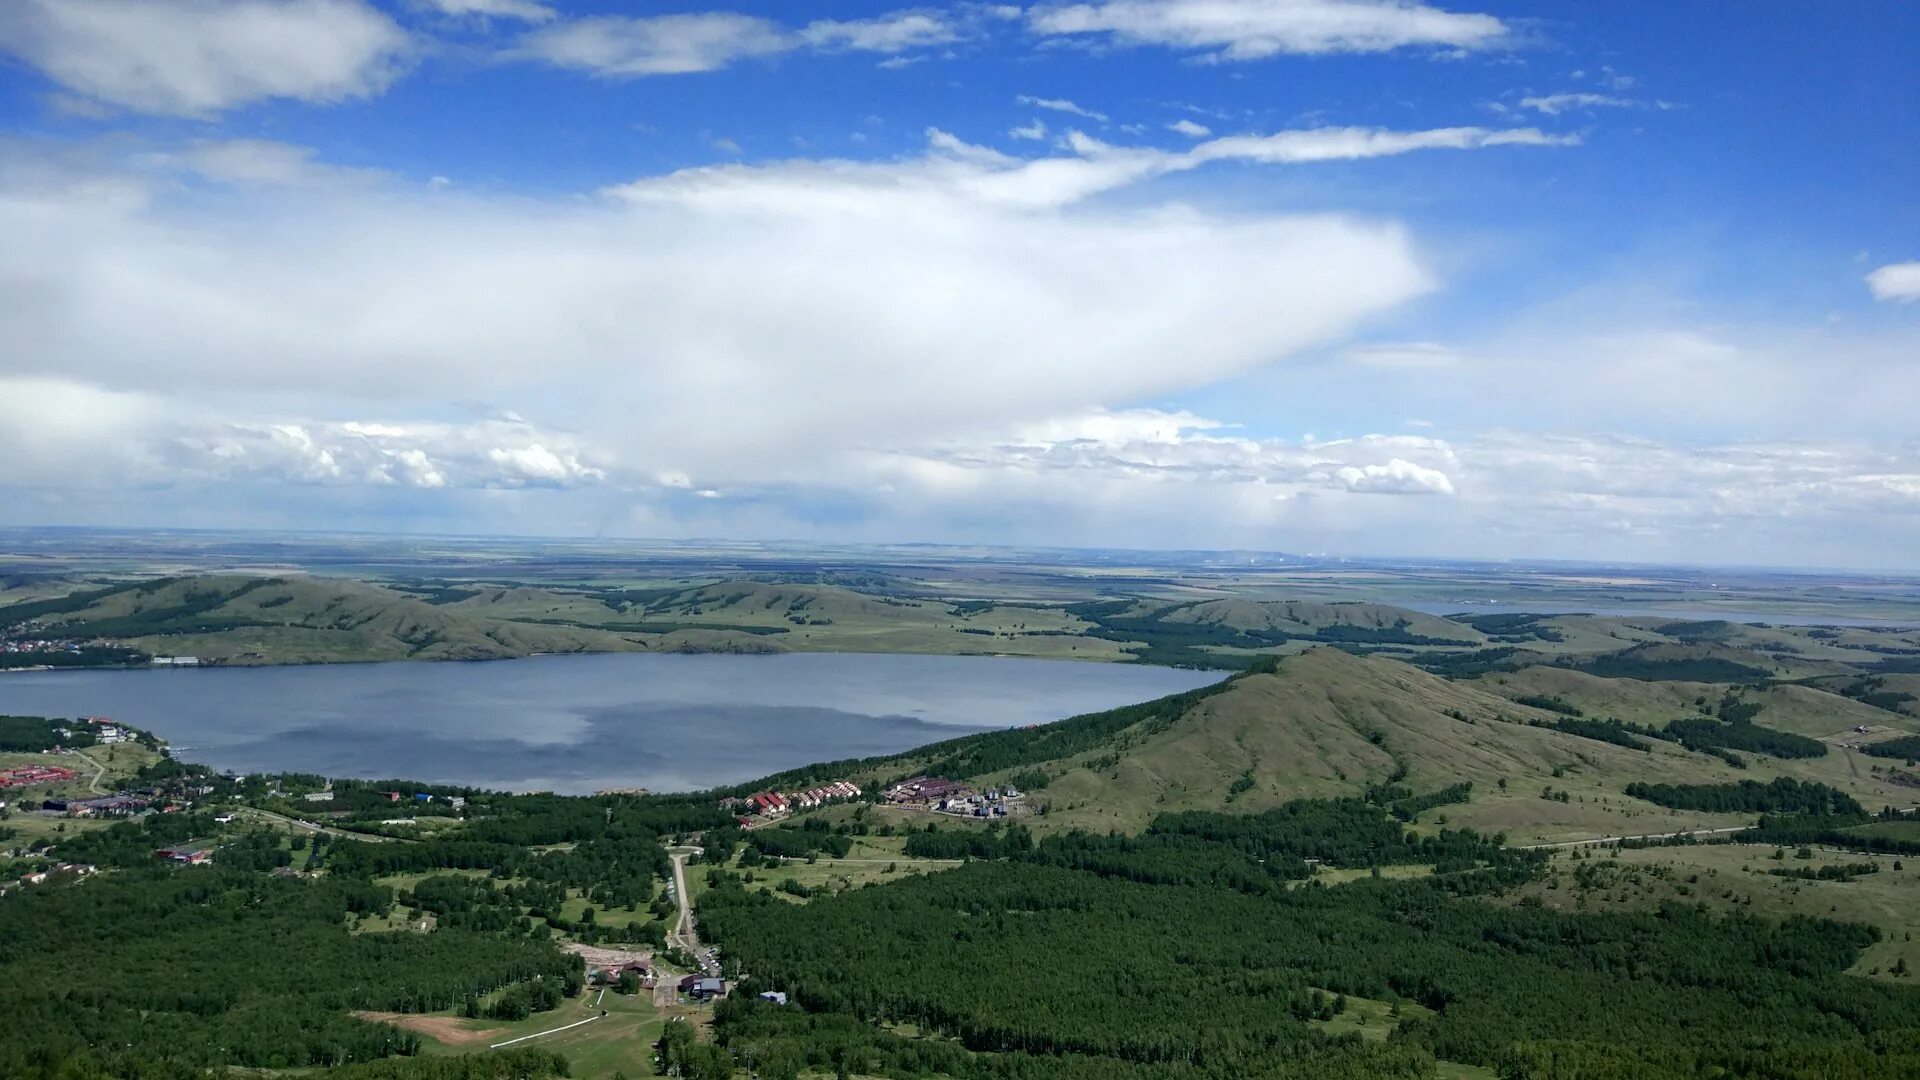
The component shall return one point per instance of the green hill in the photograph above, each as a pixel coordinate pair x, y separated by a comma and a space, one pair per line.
236, 619
1325, 723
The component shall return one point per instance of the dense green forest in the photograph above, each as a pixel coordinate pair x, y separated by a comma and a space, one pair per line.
1062, 972
218, 966
1783, 795
1906, 746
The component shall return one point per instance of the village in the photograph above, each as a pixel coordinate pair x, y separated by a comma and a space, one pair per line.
934, 795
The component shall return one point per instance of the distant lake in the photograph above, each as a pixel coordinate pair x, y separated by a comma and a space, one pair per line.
577, 723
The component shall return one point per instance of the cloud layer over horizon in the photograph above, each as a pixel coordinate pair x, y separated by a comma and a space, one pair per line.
246, 280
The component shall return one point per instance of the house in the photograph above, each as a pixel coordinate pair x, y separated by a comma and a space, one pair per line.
703, 987
318, 796
191, 854
225, 819
456, 802
777, 997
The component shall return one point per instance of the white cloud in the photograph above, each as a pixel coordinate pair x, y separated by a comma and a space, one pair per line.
1404, 355
1190, 129
1896, 281
1555, 104
1254, 29
59, 432
892, 33
736, 324
618, 46
986, 175
1347, 144
246, 162
535, 464
1396, 477
1034, 131
1060, 105
199, 57
523, 10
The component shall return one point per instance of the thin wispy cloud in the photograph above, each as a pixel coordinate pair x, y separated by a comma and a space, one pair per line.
1235, 30
1061, 105
624, 47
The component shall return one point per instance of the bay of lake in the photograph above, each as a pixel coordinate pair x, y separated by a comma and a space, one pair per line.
668, 722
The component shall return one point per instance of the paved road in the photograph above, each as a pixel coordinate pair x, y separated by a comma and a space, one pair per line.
685, 935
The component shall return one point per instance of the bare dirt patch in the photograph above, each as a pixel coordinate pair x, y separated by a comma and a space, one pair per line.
596, 957
444, 1029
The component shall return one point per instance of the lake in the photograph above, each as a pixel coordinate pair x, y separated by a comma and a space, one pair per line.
579, 723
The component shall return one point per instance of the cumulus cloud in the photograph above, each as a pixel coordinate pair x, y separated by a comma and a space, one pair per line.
713, 322
891, 33
1255, 29
1396, 477
618, 46
67, 434
199, 57
1034, 131
1896, 281
1060, 105
1190, 129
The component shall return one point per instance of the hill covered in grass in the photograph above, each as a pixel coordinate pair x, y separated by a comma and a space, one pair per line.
1325, 723
294, 618
236, 619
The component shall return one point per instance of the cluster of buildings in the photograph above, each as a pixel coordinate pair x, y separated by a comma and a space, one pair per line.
609, 974
39, 877
28, 775
105, 731
771, 804
28, 646
105, 806
952, 797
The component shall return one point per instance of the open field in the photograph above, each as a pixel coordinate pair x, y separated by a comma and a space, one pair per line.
621, 1041
1733, 877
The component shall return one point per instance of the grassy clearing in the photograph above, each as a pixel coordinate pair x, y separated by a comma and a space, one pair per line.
1734, 877
619, 1042
1340, 875
30, 827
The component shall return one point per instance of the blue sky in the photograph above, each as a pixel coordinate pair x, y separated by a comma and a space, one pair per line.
1632, 281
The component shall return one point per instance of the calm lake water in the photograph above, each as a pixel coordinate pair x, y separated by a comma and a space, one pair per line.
577, 723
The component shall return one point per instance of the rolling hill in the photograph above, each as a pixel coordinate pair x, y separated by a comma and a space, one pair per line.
235, 619
1324, 723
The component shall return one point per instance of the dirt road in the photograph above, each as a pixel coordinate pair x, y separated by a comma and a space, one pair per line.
99, 772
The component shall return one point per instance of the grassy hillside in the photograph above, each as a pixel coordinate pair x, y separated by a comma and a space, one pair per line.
298, 620
290, 619
1325, 723
1311, 619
